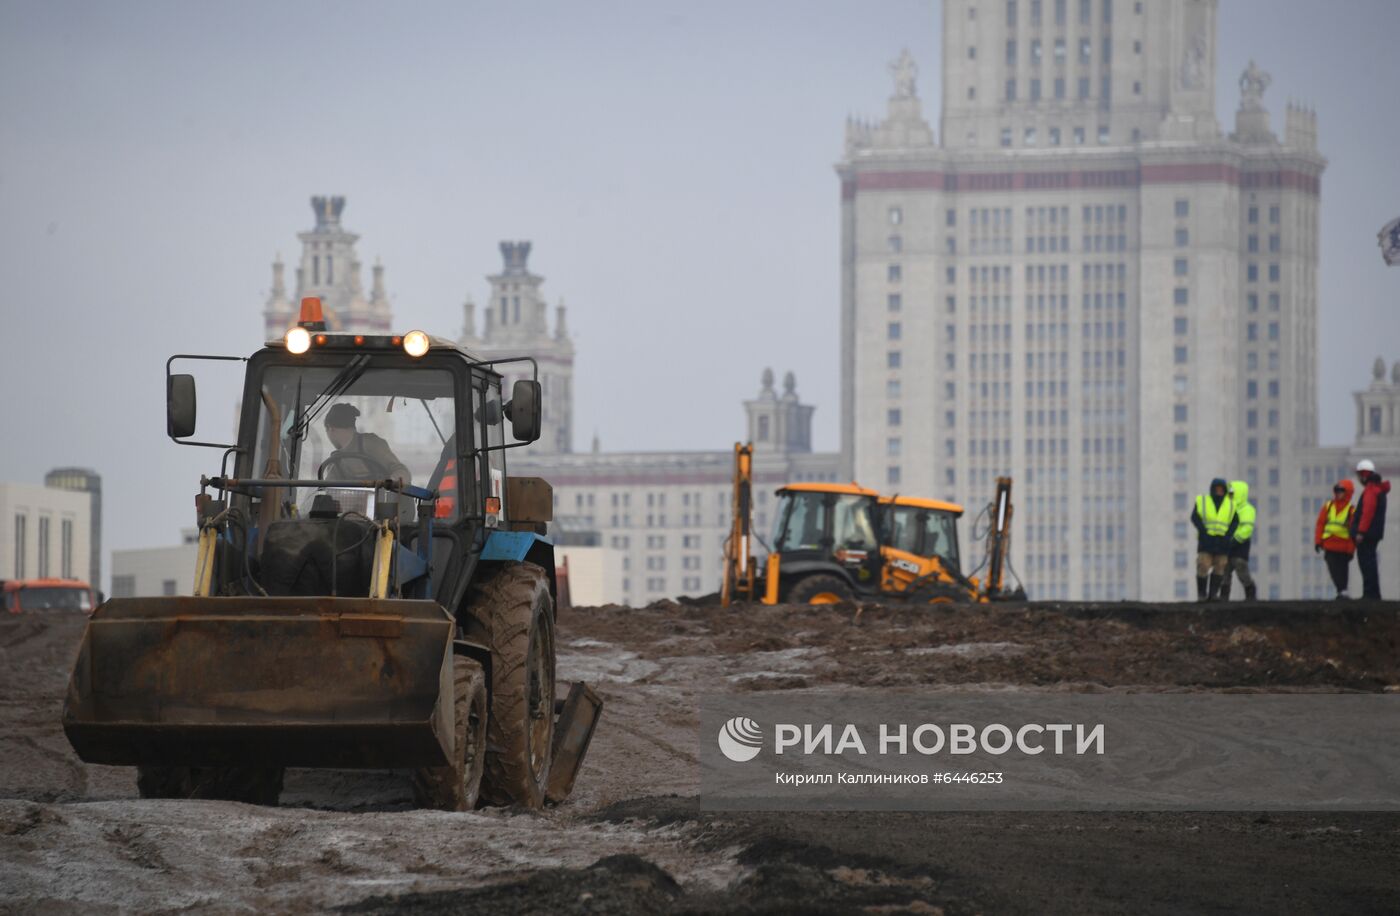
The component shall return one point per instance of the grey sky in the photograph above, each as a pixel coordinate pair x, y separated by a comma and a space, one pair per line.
672, 164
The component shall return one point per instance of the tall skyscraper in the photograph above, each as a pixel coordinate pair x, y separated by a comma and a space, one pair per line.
1085, 283
330, 269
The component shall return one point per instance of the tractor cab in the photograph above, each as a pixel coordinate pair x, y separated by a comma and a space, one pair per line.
826, 544
921, 542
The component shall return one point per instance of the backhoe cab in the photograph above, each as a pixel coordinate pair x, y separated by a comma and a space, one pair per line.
371, 591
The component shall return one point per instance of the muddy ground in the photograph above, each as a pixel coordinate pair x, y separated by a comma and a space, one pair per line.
632, 839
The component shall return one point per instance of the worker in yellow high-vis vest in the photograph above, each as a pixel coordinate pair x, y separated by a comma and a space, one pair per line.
1216, 519
1240, 542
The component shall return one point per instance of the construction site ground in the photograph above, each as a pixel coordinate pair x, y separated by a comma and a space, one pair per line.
633, 839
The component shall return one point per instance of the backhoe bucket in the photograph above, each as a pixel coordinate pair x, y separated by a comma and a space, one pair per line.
302, 681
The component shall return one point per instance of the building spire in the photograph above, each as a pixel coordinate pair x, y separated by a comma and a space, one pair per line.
561, 327
468, 319
377, 295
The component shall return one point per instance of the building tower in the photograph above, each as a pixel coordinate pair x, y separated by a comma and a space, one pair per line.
780, 424
330, 269
84, 480
1085, 284
516, 323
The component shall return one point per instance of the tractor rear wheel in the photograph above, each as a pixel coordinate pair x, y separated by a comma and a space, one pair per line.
455, 787
820, 589
520, 732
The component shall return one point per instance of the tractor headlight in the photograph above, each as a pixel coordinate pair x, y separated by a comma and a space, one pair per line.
298, 340
415, 343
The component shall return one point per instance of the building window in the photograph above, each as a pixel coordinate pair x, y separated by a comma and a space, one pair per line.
892, 417
951, 274
1059, 92
1011, 90
1035, 51
892, 388
895, 243
894, 302
1273, 302
43, 547
971, 52
1179, 413
892, 446
1252, 301
1083, 88
893, 331
1252, 273
1253, 215
1275, 243
1179, 355
892, 359
1179, 325
952, 304
21, 524
1084, 52
762, 431
1183, 208
1179, 267
1273, 330
1103, 128
1179, 442
892, 474
1055, 134
1079, 136
896, 216
894, 273
1006, 136
1179, 295
1374, 419
1183, 238
1030, 136
1011, 53
1010, 12
1252, 244
1273, 273
1273, 214
167, 587
66, 549
123, 586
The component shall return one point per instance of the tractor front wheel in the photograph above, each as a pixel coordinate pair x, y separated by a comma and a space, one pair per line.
456, 787
520, 732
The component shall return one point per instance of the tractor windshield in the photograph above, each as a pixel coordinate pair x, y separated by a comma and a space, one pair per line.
813, 520
941, 536
356, 422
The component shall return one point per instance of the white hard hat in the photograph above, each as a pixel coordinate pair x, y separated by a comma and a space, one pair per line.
1366, 464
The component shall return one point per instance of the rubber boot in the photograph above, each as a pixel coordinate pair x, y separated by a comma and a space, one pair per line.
1213, 591
1251, 593
1200, 588
1225, 590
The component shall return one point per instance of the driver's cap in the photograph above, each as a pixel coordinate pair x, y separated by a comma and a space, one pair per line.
342, 416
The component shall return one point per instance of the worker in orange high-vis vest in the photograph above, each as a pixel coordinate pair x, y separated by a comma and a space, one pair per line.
1332, 538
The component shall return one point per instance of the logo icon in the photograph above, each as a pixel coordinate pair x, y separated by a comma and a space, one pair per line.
740, 739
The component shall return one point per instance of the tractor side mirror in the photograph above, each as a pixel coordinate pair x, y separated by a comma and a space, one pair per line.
524, 410
179, 406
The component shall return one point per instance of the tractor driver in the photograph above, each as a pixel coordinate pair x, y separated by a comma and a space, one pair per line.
357, 452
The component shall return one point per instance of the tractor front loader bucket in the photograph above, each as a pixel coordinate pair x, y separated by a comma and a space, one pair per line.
301, 681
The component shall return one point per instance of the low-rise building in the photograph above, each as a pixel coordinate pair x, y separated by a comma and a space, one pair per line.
156, 571
44, 532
